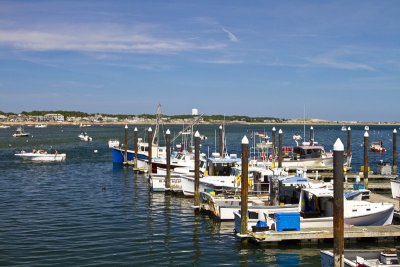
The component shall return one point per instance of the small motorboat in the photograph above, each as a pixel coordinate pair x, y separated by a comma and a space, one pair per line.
377, 147
41, 126
20, 133
85, 137
41, 155
113, 143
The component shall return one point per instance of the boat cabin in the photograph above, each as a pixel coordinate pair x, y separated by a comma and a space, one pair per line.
217, 166
308, 152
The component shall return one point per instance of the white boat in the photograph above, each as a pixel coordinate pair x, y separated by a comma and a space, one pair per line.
222, 207
40, 125
41, 155
4, 126
221, 175
113, 143
85, 137
344, 128
20, 133
316, 210
395, 186
363, 257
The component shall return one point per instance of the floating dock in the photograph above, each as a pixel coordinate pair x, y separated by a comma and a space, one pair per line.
315, 235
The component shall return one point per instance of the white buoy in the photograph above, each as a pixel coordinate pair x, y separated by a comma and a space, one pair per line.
95, 151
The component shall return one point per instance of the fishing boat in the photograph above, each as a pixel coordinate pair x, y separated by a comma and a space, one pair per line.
344, 129
395, 186
377, 147
363, 257
41, 155
315, 209
40, 125
20, 133
157, 179
221, 175
85, 137
143, 152
307, 155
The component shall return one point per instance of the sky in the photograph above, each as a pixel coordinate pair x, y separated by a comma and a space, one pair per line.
333, 60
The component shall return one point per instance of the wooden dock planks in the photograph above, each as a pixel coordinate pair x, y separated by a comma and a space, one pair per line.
312, 234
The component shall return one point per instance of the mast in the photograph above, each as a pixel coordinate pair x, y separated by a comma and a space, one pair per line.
157, 128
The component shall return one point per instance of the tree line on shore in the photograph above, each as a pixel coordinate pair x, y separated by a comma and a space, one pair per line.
66, 114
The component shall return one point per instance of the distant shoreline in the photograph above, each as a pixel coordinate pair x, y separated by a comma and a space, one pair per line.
86, 124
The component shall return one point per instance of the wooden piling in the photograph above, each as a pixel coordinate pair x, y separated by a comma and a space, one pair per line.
280, 148
168, 147
311, 136
135, 147
338, 209
196, 170
150, 155
394, 151
126, 145
366, 166
244, 185
221, 142
273, 146
348, 146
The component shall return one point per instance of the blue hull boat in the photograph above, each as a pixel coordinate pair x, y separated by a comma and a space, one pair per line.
118, 155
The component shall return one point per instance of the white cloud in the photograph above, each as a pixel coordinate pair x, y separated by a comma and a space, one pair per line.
222, 61
231, 36
344, 58
100, 39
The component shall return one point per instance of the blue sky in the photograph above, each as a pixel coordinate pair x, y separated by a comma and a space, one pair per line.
339, 59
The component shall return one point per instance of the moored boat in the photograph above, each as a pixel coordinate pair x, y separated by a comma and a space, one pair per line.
377, 147
85, 137
363, 257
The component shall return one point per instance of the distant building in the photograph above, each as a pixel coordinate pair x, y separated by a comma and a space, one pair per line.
53, 117
195, 111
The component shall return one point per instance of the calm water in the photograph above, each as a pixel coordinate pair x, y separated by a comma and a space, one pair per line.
87, 212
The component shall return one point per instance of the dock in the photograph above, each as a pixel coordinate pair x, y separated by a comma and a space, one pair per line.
312, 235
375, 181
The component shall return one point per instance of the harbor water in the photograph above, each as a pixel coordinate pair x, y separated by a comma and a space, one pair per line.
88, 212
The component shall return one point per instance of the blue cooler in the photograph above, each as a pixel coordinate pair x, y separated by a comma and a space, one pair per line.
287, 221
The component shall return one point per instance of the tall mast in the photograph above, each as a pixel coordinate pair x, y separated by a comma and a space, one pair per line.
157, 128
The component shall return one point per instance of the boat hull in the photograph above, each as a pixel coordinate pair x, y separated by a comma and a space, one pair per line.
42, 157
118, 155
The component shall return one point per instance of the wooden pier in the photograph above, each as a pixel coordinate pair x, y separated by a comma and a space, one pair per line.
375, 181
312, 235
